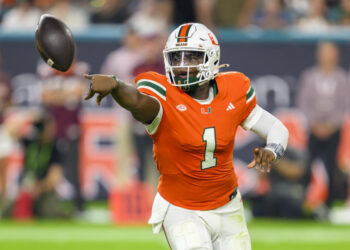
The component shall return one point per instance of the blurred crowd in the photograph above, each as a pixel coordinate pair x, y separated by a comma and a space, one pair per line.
48, 132
305, 15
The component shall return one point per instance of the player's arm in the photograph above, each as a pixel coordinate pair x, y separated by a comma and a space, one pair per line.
273, 131
143, 107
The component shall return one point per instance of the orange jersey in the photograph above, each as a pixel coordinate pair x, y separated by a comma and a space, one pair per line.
193, 145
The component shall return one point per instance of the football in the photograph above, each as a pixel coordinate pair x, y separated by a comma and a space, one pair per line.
55, 42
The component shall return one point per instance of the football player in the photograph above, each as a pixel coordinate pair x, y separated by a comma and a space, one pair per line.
192, 114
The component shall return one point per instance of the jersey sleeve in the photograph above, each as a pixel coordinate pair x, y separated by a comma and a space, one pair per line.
149, 83
153, 126
249, 98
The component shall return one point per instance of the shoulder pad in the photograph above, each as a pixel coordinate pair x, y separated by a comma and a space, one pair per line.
151, 83
150, 75
234, 75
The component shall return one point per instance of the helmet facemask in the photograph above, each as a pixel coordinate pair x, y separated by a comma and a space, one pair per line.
187, 68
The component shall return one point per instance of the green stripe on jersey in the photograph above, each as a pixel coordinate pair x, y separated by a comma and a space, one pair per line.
153, 86
250, 94
215, 87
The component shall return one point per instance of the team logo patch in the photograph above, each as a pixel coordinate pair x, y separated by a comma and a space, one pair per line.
181, 107
206, 111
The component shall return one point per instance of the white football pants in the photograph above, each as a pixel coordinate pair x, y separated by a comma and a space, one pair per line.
223, 228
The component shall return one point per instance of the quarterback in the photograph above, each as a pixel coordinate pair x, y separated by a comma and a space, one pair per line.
192, 114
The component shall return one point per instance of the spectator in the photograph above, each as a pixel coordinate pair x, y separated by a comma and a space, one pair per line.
6, 147
42, 172
340, 15
114, 11
7, 3
289, 178
184, 11
213, 13
141, 28
44, 5
156, 9
323, 98
141, 51
297, 8
73, 16
236, 13
24, 16
272, 15
5, 91
152, 61
316, 20
62, 94
153, 32
124, 59
10, 131
7, 132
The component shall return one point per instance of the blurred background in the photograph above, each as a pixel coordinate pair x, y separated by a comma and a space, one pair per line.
77, 176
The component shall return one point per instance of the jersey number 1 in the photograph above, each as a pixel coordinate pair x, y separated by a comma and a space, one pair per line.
210, 145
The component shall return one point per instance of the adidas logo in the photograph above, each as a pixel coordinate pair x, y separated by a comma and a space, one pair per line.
230, 107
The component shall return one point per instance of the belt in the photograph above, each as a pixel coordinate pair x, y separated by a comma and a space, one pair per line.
234, 193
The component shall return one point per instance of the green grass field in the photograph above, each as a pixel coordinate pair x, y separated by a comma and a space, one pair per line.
65, 235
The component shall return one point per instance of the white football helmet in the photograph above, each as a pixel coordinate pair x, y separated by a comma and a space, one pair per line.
191, 56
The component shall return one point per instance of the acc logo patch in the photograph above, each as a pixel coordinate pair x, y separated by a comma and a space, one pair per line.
181, 107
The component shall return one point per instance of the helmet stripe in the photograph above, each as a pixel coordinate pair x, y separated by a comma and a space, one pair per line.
187, 31
179, 34
183, 33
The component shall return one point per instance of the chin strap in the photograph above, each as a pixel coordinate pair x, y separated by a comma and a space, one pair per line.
224, 65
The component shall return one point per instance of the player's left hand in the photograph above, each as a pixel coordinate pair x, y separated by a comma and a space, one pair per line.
262, 160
